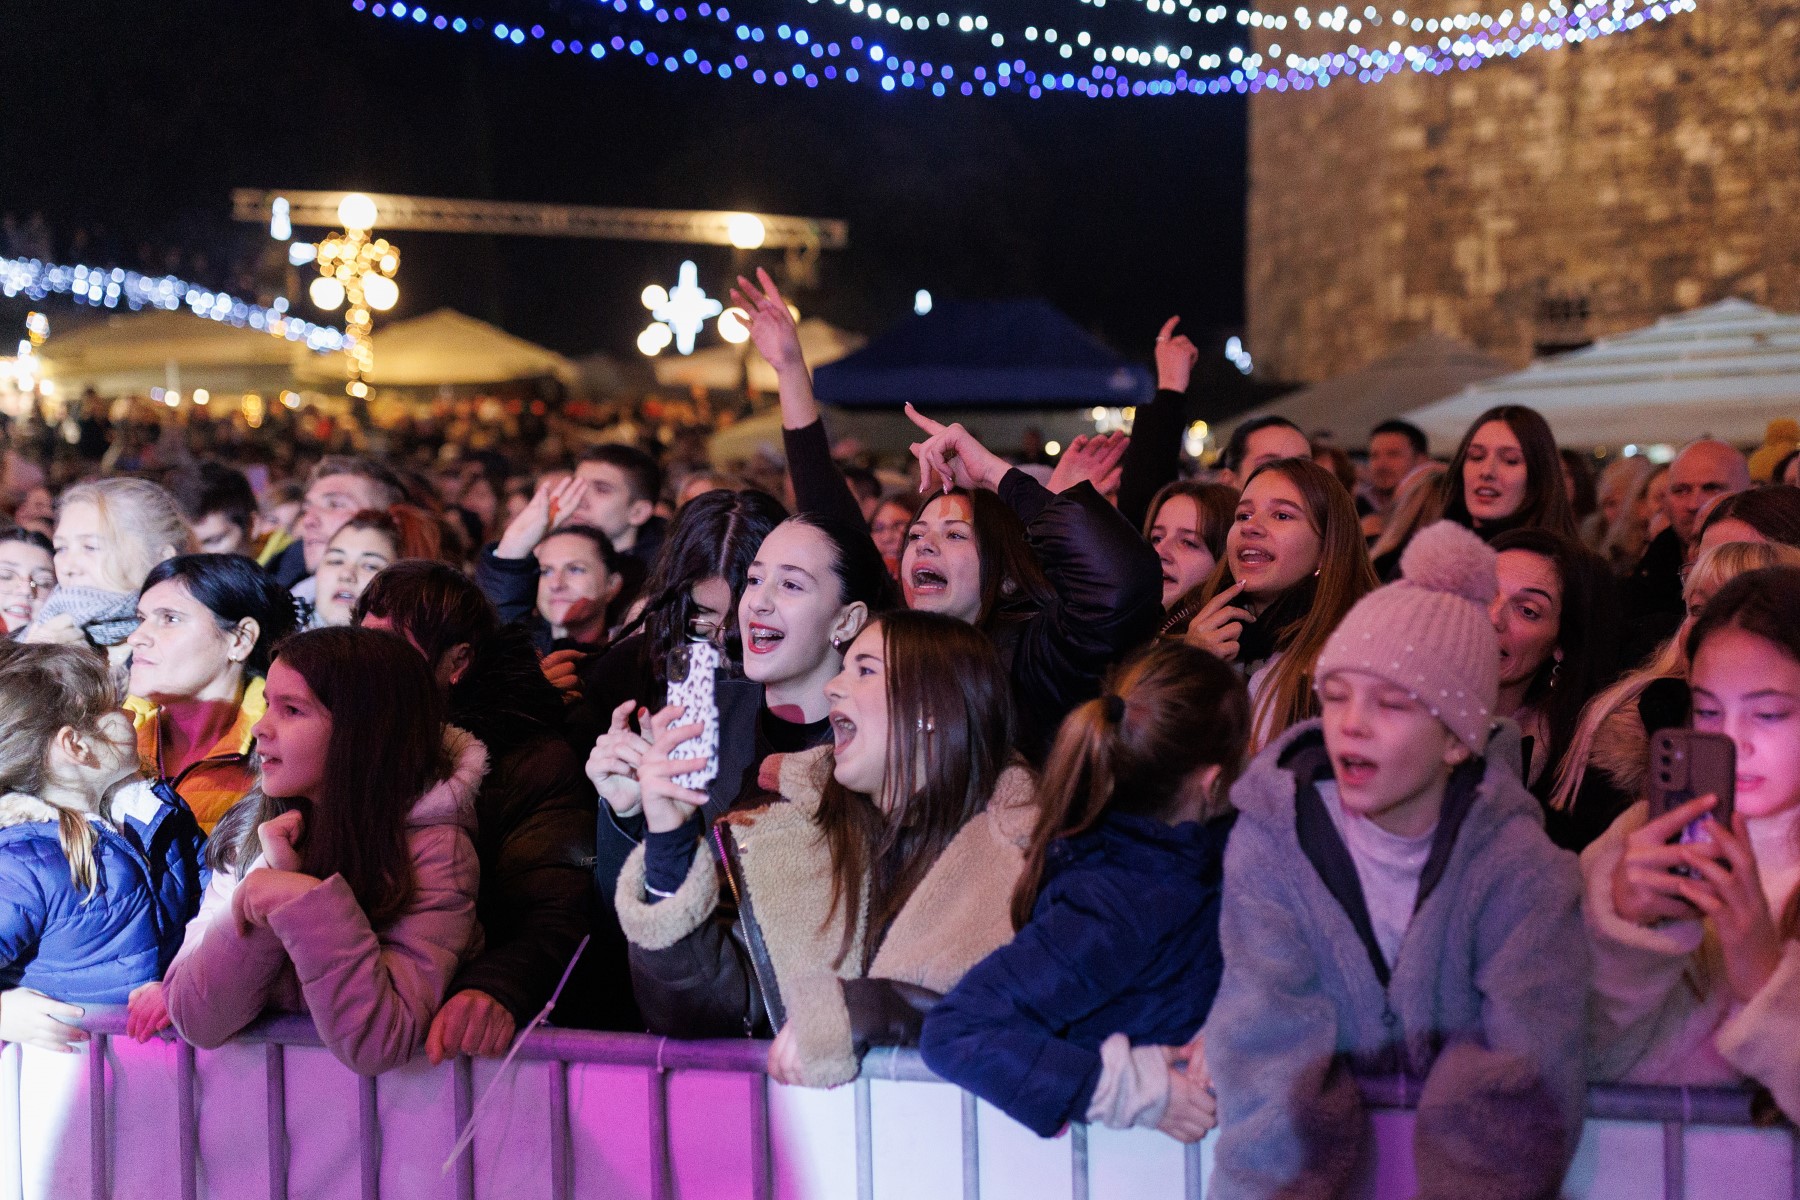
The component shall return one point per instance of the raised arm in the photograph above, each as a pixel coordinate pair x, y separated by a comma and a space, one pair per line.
819, 486
1154, 456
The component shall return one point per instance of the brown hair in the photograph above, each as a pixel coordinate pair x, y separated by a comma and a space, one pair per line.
1344, 577
413, 532
45, 689
1011, 579
386, 750
1214, 503
1546, 502
1166, 711
949, 736
1761, 603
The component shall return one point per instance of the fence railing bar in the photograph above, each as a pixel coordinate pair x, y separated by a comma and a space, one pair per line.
12, 1058
98, 1150
1193, 1183
463, 1072
188, 1120
1674, 1162
971, 1147
275, 1108
1078, 1162
865, 1141
662, 1167
762, 1156
562, 1176
369, 1136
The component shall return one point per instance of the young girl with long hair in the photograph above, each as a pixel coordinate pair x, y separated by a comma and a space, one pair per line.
1507, 474
1294, 564
891, 854
98, 872
1606, 766
1697, 944
27, 577
1086, 1014
1392, 906
1186, 526
346, 887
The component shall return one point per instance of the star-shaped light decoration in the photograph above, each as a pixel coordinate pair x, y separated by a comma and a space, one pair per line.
681, 312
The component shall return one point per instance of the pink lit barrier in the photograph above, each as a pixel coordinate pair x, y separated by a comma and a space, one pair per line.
634, 1117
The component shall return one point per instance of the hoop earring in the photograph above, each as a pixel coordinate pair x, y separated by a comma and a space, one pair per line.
1555, 673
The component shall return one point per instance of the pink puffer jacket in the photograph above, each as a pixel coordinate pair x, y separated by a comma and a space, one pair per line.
371, 993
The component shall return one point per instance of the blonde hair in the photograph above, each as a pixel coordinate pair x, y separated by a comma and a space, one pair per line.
140, 523
1420, 503
1622, 542
46, 689
1710, 572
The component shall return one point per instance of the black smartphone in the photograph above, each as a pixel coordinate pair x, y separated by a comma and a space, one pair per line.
1685, 764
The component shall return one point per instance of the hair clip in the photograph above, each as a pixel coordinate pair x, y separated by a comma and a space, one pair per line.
926, 725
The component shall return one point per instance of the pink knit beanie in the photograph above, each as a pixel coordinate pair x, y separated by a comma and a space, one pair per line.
1429, 632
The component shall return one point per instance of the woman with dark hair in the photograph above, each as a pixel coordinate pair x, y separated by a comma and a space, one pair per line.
1061, 582
206, 625
813, 585
1294, 565
1770, 513
1507, 474
345, 887
890, 855
1557, 617
27, 577
1186, 527
692, 592
534, 815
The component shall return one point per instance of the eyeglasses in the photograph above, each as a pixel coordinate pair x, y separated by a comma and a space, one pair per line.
12, 579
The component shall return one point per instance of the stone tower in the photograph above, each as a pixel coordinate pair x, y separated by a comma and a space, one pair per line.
1529, 203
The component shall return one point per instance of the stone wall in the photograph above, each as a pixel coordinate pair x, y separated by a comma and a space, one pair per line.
1563, 195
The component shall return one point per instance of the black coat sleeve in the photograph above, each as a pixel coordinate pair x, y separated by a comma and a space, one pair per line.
536, 815
511, 583
1108, 600
1154, 456
819, 486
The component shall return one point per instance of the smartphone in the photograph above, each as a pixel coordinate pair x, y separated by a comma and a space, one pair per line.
693, 684
1685, 764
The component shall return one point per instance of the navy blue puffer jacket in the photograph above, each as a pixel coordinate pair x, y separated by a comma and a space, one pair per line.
1124, 938
58, 940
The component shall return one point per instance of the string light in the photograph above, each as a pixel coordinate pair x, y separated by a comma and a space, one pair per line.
102, 288
792, 54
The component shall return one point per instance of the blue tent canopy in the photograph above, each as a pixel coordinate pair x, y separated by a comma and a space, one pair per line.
985, 354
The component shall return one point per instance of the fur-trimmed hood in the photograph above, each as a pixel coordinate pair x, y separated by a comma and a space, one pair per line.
1621, 750
451, 801
17, 808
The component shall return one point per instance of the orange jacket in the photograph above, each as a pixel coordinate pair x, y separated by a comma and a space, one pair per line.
212, 784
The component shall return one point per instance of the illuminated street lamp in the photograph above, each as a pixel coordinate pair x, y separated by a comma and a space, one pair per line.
356, 270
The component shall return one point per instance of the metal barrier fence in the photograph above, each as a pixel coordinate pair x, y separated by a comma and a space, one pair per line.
632, 1115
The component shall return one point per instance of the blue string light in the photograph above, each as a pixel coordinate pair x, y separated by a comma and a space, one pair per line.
100, 287
1167, 74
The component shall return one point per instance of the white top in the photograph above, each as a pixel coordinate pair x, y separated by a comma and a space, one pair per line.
1388, 867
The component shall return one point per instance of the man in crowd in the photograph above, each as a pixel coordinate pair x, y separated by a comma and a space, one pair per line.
1703, 472
339, 487
1396, 449
219, 506
623, 486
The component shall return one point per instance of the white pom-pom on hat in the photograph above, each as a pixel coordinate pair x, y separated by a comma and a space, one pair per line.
1445, 557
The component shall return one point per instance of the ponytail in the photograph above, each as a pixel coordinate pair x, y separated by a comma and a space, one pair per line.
76, 834
1166, 712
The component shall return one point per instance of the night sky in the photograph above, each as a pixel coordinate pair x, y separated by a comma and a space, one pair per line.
136, 121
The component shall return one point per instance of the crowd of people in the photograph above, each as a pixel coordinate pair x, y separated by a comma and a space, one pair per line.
1130, 791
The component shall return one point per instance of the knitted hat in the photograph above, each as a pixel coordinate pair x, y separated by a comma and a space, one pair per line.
1429, 632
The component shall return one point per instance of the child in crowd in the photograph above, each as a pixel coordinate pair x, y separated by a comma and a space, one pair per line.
1085, 1015
1697, 975
1393, 905
346, 887
98, 876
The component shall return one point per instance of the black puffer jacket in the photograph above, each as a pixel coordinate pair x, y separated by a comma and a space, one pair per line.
1108, 601
535, 838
